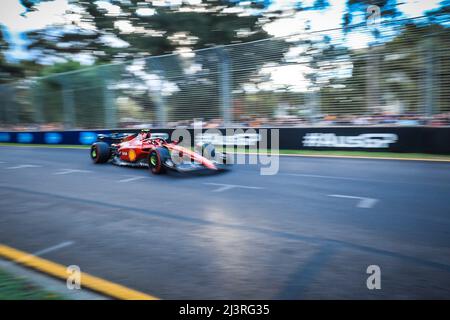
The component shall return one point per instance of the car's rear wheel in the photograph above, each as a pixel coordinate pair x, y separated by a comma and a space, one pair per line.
156, 160
100, 152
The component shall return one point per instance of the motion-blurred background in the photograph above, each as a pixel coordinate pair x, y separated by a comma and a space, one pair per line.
339, 78
170, 63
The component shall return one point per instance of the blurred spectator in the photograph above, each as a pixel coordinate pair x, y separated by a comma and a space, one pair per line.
254, 121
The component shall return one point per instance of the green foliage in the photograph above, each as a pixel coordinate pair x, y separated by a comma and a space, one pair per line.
8, 71
208, 28
15, 288
61, 67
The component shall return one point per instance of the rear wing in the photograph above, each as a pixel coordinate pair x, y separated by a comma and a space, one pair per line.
123, 136
114, 137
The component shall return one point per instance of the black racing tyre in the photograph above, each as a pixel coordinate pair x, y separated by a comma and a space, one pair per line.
100, 152
156, 158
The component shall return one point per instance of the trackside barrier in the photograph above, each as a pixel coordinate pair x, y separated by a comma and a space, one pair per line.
379, 139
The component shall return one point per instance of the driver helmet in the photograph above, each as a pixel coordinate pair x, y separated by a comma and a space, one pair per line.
145, 133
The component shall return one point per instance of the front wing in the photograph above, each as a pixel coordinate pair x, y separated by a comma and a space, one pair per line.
180, 167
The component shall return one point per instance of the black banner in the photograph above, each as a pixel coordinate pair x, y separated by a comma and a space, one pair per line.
235, 309
379, 139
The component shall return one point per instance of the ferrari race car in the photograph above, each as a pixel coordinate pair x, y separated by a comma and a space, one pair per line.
152, 150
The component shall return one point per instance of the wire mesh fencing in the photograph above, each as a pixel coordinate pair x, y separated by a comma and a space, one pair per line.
397, 75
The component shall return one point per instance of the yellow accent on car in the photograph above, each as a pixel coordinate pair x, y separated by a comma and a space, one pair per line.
132, 155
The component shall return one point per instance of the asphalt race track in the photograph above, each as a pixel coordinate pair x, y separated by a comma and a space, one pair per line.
308, 232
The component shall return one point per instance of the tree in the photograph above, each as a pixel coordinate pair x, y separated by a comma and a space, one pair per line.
402, 74
8, 71
409, 58
179, 28
127, 29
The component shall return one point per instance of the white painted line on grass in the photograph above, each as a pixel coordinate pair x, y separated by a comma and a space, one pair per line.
68, 171
224, 186
23, 166
131, 179
363, 202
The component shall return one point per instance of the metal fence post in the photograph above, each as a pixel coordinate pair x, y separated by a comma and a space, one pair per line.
429, 89
2, 106
161, 112
311, 99
109, 102
37, 103
68, 105
157, 97
372, 79
225, 86
5, 91
12, 105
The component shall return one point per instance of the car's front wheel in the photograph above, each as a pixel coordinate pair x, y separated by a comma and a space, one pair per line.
156, 159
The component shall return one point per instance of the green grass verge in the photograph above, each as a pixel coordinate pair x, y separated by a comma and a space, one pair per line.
18, 288
351, 154
366, 154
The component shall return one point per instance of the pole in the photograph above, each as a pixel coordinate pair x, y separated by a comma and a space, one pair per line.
225, 86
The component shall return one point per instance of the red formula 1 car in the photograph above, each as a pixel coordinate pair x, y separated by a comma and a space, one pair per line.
145, 149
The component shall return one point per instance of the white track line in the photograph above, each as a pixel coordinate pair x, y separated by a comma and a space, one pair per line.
68, 171
363, 202
131, 179
224, 186
53, 248
47, 250
23, 166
